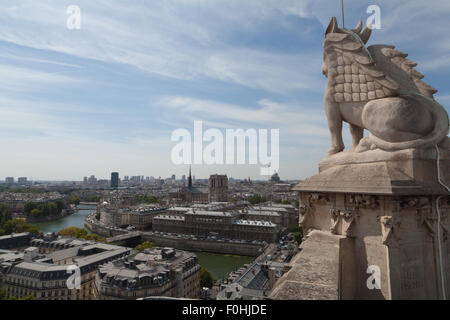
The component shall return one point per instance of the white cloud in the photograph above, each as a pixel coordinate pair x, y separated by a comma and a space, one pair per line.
26, 79
167, 38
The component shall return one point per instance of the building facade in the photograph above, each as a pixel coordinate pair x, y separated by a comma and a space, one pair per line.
47, 278
155, 272
218, 188
228, 225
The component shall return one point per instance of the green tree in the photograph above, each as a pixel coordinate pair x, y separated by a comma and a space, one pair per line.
60, 204
298, 237
28, 207
74, 232
74, 200
3, 294
30, 297
5, 213
256, 199
206, 279
48, 209
18, 226
94, 198
80, 233
35, 213
144, 245
146, 199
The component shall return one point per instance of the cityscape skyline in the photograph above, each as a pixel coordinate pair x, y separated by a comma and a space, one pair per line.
96, 100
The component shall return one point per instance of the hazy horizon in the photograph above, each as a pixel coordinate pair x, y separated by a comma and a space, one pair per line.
107, 97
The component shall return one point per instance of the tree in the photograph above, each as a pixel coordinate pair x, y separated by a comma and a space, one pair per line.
298, 237
146, 199
3, 294
28, 207
206, 279
73, 232
48, 209
74, 200
18, 226
35, 213
256, 199
80, 233
60, 205
144, 245
5, 213
30, 297
94, 198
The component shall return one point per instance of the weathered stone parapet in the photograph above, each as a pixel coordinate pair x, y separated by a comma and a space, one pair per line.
378, 216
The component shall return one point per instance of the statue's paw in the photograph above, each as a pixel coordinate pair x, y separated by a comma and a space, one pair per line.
333, 150
365, 145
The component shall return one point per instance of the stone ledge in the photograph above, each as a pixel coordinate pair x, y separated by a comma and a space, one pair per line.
314, 274
373, 156
406, 172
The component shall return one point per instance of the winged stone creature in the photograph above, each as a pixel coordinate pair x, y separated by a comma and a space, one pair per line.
377, 89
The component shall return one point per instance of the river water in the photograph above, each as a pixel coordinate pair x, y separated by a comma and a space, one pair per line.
219, 265
74, 220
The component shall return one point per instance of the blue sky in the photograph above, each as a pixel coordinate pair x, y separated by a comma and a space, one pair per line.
108, 96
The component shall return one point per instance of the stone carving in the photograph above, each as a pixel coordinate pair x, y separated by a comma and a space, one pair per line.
335, 215
319, 198
363, 201
425, 217
347, 217
413, 202
378, 89
303, 213
389, 227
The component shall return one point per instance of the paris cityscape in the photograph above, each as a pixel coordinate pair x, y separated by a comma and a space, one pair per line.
237, 152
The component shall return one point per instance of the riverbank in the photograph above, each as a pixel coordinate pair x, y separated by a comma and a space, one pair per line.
64, 213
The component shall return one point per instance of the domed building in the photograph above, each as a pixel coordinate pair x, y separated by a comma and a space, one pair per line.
275, 178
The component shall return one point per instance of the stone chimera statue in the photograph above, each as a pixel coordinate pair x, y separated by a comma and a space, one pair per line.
378, 89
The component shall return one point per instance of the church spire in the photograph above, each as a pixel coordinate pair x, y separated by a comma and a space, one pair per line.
190, 179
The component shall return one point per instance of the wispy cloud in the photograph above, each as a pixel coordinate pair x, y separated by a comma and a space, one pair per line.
110, 93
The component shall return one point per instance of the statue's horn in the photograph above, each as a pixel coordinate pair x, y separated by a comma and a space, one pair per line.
365, 34
333, 26
358, 27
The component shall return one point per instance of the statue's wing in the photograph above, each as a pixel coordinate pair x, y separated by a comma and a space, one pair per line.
399, 59
357, 78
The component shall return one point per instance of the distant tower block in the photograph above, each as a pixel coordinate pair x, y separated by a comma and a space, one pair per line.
218, 188
114, 180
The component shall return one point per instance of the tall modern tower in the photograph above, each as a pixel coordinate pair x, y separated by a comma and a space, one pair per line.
114, 180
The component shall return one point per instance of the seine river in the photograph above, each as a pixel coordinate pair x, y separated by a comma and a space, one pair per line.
219, 265
74, 220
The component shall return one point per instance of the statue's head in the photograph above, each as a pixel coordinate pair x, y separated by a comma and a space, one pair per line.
337, 39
